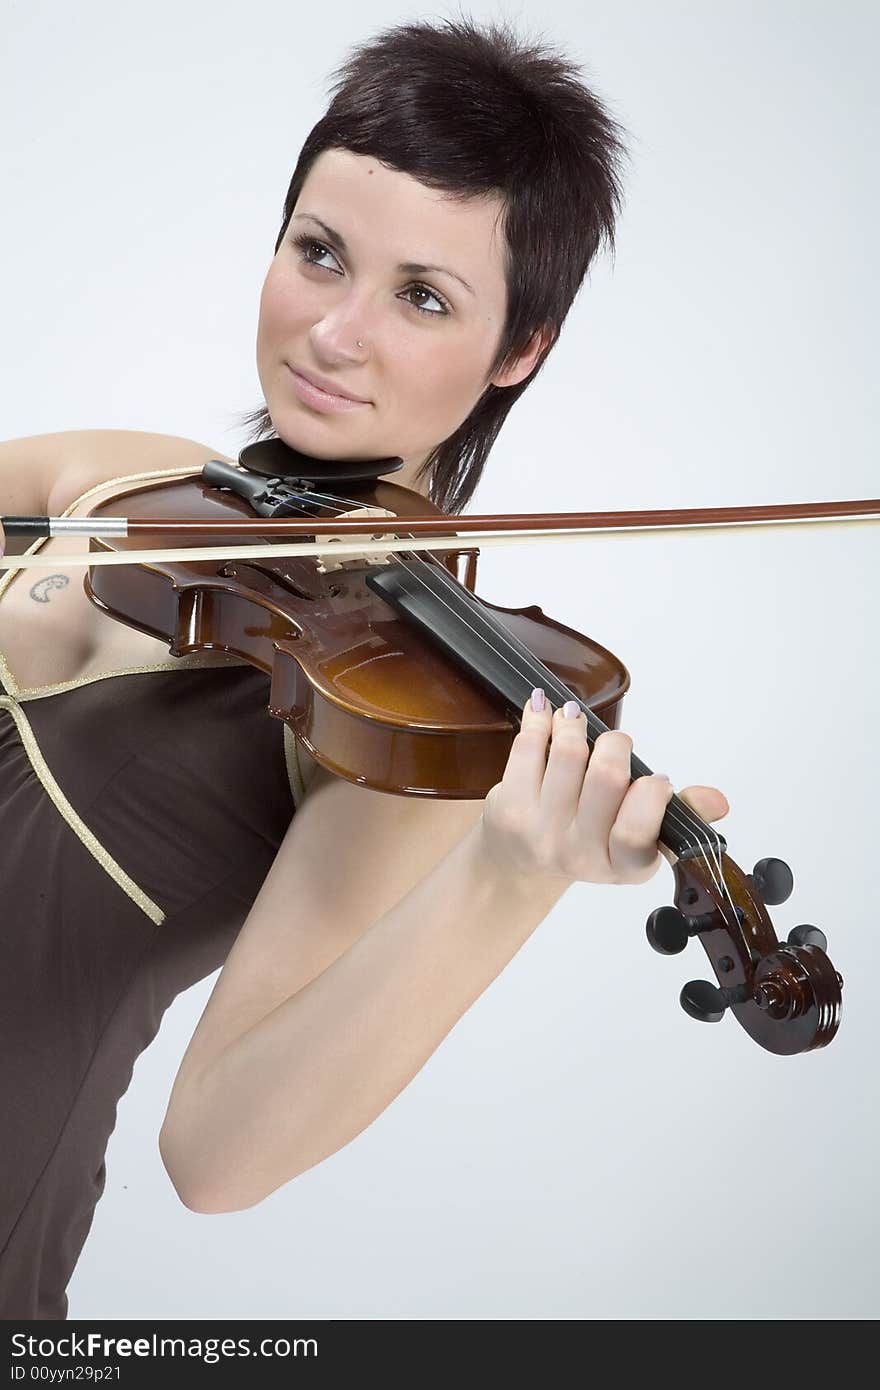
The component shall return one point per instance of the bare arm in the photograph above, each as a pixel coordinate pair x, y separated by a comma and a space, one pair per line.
41, 474
28, 469
314, 1072
323, 1013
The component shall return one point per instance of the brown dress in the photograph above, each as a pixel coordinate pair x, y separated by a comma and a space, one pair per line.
135, 834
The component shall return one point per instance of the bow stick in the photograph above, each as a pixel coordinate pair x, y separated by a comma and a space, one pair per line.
487, 529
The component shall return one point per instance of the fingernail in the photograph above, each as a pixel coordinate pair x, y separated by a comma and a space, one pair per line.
663, 775
538, 699
571, 709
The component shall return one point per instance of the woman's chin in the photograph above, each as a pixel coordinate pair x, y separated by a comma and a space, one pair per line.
308, 434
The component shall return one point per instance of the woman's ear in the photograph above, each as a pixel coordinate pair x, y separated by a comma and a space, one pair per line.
518, 369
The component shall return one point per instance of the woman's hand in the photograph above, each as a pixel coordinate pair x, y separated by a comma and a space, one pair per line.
575, 815
2, 540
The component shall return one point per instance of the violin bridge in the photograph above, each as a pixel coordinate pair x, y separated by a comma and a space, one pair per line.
370, 556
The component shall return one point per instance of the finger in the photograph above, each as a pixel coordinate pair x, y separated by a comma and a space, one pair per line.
633, 847
708, 802
527, 759
566, 764
605, 785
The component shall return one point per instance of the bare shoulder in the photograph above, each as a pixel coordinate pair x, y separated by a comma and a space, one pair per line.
81, 459
349, 855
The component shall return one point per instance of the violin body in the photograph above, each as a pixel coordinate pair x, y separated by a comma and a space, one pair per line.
372, 699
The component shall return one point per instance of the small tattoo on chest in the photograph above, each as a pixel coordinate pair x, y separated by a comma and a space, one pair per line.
43, 587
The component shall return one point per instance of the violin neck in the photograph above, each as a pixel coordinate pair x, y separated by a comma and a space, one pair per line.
449, 615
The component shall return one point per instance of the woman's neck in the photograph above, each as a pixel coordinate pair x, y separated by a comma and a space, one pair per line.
406, 477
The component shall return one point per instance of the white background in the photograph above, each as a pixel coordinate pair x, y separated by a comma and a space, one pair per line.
577, 1147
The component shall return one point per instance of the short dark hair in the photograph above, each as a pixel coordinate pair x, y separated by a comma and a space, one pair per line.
472, 111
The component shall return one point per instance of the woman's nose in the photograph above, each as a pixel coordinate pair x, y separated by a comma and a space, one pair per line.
345, 325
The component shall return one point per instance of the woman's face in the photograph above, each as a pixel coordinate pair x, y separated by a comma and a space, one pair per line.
428, 338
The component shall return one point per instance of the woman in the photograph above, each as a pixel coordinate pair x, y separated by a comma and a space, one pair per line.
440, 220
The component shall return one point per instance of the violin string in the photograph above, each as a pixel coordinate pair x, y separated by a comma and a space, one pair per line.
444, 577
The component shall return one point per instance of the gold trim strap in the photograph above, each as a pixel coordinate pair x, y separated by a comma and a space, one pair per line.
77, 825
9, 680
291, 753
176, 663
294, 771
29, 742
71, 507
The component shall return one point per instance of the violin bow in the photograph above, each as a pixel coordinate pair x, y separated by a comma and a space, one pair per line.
419, 533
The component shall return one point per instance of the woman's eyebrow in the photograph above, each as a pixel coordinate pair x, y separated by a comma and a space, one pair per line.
407, 267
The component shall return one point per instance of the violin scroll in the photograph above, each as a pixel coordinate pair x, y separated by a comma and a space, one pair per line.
787, 995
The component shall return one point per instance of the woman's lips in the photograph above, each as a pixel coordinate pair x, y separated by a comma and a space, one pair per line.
321, 400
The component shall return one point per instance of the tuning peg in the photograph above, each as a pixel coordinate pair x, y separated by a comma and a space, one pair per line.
806, 935
707, 1002
668, 929
773, 880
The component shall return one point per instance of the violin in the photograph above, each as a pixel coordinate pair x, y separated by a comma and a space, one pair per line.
395, 675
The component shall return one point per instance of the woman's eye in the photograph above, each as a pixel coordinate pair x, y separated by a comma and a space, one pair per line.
307, 244
423, 289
